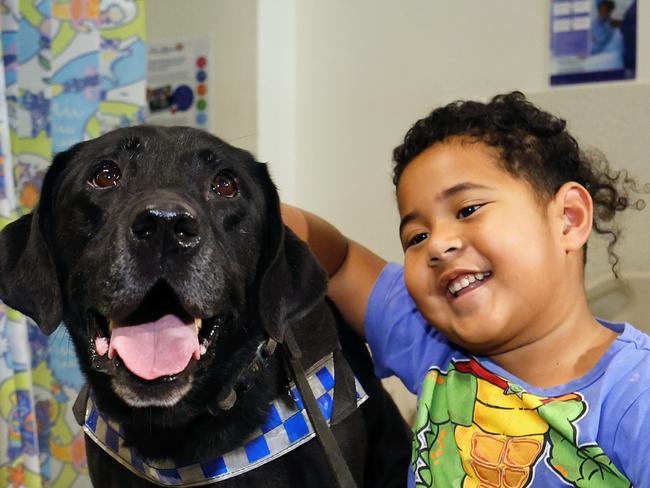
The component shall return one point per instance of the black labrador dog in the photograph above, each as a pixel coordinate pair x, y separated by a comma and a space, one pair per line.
163, 252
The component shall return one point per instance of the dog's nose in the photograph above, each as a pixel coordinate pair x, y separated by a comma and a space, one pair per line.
178, 225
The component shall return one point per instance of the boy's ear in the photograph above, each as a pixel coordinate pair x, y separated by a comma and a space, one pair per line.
576, 215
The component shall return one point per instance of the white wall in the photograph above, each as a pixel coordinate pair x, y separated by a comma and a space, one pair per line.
366, 70
615, 119
276, 92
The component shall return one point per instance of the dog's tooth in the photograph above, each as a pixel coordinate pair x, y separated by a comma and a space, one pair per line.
198, 323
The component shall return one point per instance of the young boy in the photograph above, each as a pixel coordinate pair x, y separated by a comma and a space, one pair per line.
487, 321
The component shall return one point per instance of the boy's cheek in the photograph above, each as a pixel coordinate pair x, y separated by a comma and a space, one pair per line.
420, 284
411, 278
419, 278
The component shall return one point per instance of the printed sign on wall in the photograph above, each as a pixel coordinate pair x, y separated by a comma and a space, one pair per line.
177, 82
593, 40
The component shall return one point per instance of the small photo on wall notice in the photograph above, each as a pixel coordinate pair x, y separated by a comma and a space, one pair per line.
593, 40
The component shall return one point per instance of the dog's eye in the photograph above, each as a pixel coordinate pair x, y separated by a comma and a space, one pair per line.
107, 175
224, 185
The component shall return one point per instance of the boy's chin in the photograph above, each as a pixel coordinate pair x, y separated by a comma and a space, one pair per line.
480, 342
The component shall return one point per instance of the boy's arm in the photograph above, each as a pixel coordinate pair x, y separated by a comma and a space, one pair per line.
352, 269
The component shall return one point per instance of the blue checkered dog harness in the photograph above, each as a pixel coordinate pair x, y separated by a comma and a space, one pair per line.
287, 427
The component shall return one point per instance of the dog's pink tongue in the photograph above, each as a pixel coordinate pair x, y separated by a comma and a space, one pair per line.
156, 349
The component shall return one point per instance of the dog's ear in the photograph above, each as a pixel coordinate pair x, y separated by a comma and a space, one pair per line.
292, 282
28, 280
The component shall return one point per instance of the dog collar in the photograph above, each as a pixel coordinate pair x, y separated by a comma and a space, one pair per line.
286, 428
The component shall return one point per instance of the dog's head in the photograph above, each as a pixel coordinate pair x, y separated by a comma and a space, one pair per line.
146, 241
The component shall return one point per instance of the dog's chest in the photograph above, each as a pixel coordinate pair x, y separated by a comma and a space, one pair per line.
287, 427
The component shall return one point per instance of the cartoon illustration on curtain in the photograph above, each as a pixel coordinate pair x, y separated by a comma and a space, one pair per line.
73, 69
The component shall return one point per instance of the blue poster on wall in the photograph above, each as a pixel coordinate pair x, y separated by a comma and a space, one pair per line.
593, 40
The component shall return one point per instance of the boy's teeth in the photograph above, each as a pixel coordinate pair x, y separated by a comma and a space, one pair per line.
460, 283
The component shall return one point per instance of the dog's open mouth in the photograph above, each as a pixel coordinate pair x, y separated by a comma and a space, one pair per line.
158, 340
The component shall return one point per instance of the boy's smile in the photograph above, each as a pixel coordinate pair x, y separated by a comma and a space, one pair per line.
465, 283
482, 257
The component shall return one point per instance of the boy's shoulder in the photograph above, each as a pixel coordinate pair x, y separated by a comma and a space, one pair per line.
633, 344
629, 365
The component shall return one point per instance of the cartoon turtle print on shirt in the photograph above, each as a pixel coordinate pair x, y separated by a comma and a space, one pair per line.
474, 429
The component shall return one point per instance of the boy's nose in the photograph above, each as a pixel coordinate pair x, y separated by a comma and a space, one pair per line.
443, 243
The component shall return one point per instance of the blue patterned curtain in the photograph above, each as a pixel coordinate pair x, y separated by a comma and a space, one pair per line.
73, 69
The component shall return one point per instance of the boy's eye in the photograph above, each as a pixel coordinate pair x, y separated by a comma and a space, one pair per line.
416, 239
467, 211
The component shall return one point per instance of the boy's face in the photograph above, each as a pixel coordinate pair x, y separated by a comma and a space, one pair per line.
482, 260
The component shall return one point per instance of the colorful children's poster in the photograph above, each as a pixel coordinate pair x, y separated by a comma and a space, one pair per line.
177, 82
593, 40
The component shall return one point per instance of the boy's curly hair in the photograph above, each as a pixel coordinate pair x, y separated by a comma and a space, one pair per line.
533, 145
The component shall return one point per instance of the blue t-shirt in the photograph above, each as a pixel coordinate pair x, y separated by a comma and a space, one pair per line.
478, 425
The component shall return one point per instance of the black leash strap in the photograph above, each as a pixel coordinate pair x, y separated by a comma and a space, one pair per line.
79, 407
333, 455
